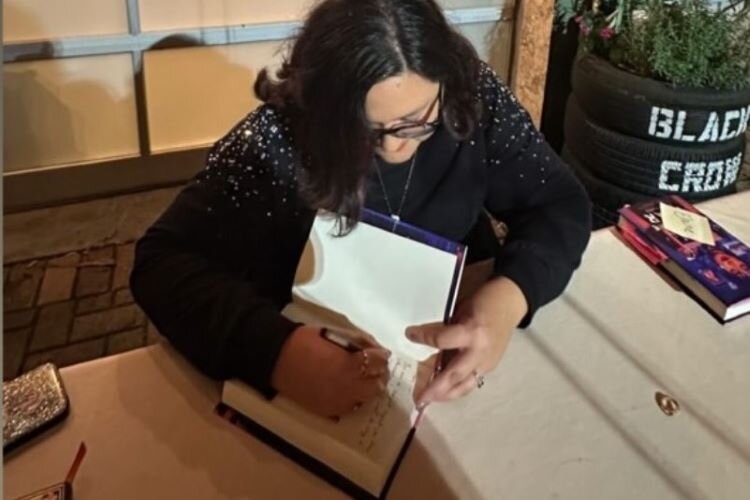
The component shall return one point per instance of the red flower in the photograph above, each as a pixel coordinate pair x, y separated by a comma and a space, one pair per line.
607, 32
583, 25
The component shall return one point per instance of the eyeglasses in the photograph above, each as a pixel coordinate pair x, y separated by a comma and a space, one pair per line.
416, 130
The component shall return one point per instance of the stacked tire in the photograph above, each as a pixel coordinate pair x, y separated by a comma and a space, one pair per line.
630, 138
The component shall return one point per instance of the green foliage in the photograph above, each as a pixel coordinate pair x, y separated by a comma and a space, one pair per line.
565, 10
683, 42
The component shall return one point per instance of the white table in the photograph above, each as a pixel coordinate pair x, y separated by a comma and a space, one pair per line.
570, 413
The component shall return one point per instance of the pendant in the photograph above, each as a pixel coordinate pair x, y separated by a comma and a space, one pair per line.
396, 220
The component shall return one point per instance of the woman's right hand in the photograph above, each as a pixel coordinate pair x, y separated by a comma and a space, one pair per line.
326, 378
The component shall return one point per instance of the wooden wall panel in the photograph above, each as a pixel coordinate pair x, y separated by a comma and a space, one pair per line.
195, 95
25, 20
68, 111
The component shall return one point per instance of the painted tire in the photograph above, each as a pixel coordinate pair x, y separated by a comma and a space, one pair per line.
649, 168
657, 111
606, 198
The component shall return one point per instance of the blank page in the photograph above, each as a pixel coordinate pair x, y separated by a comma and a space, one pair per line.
380, 282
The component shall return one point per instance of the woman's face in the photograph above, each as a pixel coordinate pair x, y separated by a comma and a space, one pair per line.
397, 101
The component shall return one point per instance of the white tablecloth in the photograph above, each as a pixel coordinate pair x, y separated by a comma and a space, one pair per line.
569, 414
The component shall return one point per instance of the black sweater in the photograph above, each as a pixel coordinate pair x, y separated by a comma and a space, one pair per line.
215, 269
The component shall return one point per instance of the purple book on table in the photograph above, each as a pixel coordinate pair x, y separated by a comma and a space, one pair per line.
717, 275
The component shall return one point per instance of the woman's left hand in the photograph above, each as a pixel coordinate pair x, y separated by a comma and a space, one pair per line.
480, 333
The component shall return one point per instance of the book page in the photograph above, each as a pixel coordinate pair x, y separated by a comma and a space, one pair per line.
362, 445
383, 282
379, 428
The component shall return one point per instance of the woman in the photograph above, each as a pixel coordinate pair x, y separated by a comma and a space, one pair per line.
381, 104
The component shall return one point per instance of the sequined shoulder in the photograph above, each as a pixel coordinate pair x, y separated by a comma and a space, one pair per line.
493, 92
256, 160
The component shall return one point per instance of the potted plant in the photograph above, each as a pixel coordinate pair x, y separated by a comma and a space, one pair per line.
660, 99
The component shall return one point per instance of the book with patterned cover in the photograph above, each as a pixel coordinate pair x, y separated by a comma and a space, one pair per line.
718, 275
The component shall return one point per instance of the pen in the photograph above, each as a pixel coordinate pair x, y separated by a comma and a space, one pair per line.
340, 339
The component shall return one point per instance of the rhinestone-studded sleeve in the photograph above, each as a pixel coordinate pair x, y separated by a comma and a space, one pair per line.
216, 267
531, 190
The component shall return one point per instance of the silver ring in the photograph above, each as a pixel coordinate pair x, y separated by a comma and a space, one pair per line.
479, 378
363, 368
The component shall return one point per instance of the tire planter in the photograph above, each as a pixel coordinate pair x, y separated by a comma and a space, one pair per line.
606, 198
649, 109
695, 173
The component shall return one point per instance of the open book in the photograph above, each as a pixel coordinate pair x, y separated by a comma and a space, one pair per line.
377, 280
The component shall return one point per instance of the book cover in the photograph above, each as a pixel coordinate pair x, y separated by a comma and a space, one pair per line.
380, 278
641, 245
723, 269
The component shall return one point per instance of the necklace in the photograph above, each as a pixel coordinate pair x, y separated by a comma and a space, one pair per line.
396, 216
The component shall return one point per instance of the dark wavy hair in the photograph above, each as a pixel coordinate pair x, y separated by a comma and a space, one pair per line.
344, 48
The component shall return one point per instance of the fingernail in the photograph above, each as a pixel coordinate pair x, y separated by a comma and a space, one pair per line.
411, 333
424, 399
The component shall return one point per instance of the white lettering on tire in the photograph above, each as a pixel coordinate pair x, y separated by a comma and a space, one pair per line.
732, 170
666, 123
711, 130
713, 175
728, 119
678, 133
694, 174
666, 167
699, 177
660, 125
